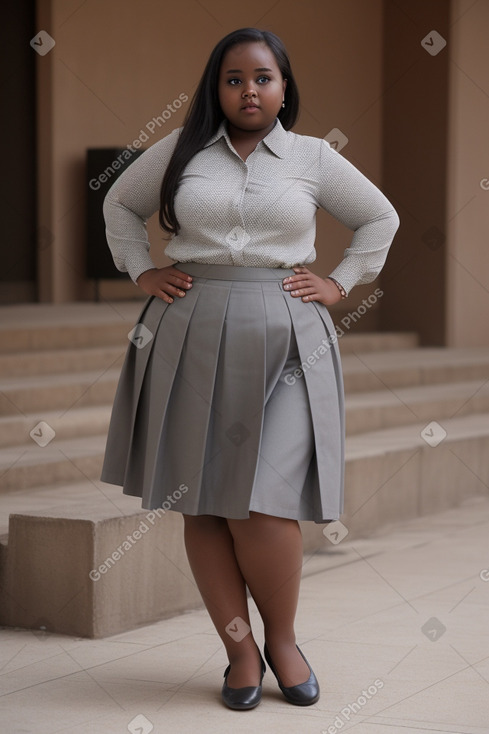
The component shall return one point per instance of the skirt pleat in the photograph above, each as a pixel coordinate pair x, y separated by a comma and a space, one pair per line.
324, 383
212, 414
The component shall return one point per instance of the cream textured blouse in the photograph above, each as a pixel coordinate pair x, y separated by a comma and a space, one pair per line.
258, 213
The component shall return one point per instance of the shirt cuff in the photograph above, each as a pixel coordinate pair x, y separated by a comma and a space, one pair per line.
137, 262
341, 276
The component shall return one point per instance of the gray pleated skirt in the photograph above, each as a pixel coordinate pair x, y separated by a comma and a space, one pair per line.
230, 399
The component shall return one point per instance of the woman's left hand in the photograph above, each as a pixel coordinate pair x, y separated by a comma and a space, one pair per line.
311, 287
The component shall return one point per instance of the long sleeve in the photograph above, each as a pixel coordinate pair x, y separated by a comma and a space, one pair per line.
258, 213
131, 200
346, 194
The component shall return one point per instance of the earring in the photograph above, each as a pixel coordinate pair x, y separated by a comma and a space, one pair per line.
283, 104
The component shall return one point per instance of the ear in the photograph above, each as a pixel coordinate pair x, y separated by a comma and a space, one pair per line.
284, 85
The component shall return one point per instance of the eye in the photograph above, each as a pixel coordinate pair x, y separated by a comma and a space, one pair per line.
265, 79
231, 81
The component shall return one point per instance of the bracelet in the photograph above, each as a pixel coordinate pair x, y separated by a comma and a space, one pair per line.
339, 286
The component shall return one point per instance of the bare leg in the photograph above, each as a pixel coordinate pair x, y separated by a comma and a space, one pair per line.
210, 552
269, 553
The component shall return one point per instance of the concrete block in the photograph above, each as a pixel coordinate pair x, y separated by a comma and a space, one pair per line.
92, 577
452, 472
379, 490
45, 575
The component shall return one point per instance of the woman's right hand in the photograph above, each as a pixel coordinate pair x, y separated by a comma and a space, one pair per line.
165, 283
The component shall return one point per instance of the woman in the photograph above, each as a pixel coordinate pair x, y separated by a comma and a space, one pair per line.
229, 407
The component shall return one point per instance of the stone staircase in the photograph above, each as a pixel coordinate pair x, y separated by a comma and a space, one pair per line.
417, 438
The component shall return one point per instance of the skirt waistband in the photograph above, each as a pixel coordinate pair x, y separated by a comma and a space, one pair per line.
232, 272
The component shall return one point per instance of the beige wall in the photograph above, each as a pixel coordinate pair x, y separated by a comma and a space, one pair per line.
467, 300
118, 64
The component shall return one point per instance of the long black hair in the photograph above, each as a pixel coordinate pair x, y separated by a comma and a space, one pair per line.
205, 114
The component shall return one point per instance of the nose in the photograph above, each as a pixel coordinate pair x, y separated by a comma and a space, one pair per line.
250, 92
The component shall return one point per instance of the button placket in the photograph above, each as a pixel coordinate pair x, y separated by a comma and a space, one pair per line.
237, 238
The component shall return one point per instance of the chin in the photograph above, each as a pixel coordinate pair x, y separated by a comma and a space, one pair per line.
257, 123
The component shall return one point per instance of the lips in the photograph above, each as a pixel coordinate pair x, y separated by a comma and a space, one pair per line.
250, 107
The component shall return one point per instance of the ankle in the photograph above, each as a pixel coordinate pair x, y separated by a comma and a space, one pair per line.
245, 668
281, 641
243, 652
287, 662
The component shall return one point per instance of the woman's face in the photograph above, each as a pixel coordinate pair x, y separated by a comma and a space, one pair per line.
251, 88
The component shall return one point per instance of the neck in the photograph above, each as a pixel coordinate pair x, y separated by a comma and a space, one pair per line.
239, 135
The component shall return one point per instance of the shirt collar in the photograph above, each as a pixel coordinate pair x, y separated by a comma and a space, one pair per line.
276, 140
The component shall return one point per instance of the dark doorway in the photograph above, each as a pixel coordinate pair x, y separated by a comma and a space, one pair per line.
18, 136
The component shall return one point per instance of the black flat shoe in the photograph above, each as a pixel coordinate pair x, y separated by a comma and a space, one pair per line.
242, 698
305, 694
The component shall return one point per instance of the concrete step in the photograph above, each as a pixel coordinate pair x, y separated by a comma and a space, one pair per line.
365, 411
417, 442
68, 499
377, 341
57, 361
391, 475
93, 420
368, 411
409, 367
25, 466
418, 435
68, 460
57, 392
40, 327
362, 372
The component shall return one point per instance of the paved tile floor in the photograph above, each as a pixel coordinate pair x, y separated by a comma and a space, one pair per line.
395, 626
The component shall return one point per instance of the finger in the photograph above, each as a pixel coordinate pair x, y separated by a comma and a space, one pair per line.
166, 286
179, 275
296, 281
164, 296
302, 292
184, 277
184, 284
301, 284
173, 289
